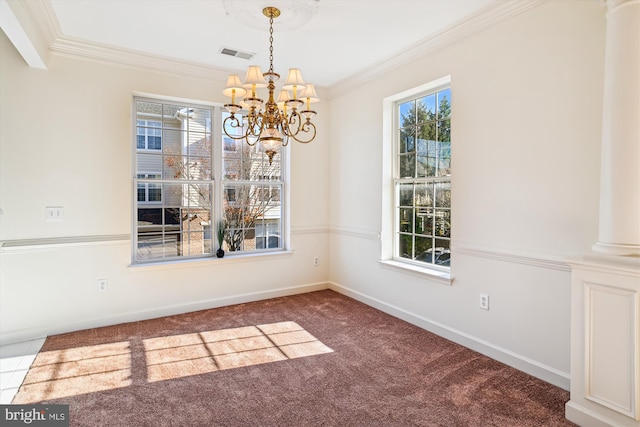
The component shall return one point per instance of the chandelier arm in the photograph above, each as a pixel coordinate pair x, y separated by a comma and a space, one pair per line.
306, 128
233, 122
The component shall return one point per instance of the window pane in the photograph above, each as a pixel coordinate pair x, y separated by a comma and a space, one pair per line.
427, 131
424, 221
443, 194
443, 223
171, 116
444, 159
444, 130
230, 146
172, 217
443, 253
149, 111
199, 144
406, 112
200, 120
423, 248
444, 103
406, 195
147, 217
407, 140
173, 141
406, 220
199, 168
407, 166
424, 194
405, 246
426, 108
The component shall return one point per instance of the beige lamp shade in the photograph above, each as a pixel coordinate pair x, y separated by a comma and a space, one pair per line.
309, 93
294, 80
234, 86
254, 77
284, 96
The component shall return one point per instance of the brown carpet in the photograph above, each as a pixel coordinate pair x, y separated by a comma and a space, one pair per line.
316, 359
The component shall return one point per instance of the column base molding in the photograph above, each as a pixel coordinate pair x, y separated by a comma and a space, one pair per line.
617, 249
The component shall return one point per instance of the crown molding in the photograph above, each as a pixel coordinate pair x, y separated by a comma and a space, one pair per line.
50, 34
81, 49
492, 14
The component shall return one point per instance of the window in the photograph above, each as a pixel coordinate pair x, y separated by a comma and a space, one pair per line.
188, 178
149, 191
422, 178
149, 135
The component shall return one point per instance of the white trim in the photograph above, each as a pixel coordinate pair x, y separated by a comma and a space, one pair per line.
515, 360
134, 316
512, 256
313, 229
361, 233
440, 276
23, 245
585, 417
625, 266
80, 49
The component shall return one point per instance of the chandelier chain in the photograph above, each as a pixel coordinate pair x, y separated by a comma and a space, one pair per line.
271, 44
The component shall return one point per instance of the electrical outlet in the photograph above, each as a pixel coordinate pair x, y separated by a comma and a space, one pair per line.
54, 213
103, 285
316, 261
484, 301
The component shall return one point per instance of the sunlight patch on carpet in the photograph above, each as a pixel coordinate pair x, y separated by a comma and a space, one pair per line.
80, 370
199, 353
74, 371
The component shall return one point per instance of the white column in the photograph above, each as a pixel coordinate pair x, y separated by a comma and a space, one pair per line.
605, 286
619, 229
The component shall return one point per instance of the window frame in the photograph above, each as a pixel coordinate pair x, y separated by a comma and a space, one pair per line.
217, 182
390, 258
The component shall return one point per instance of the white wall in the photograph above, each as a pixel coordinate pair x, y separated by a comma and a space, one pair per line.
527, 109
65, 140
526, 133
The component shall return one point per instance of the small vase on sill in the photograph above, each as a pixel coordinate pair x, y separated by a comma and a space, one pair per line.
220, 253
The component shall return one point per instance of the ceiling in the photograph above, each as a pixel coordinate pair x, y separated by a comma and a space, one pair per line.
342, 39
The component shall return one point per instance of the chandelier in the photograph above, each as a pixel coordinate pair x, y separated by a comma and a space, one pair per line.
273, 122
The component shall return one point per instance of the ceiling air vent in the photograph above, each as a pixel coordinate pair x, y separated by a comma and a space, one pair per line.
236, 53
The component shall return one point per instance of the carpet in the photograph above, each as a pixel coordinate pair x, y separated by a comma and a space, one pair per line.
315, 359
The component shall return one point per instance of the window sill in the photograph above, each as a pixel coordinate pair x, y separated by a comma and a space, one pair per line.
210, 261
438, 276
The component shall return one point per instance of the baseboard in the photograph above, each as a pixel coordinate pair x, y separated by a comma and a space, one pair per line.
584, 417
43, 331
522, 363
